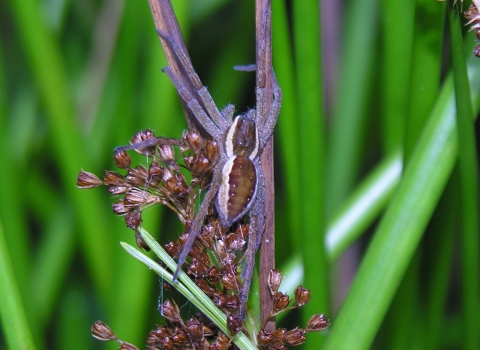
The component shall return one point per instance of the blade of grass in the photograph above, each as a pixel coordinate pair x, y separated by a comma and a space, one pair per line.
363, 206
14, 321
440, 250
312, 143
286, 135
425, 69
50, 76
401, 227
186, 286
468, 171
396, 56
348, 123
424, 85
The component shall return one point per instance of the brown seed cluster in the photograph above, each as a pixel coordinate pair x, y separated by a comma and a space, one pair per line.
473, 17
282, 338
161, 182
215, 260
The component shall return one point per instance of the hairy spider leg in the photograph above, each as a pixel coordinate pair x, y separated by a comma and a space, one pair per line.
193, 104
197, 222
266, 121
149, 143
202, 91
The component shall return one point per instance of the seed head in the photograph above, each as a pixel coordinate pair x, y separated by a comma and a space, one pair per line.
302, 296
112, 178
101, 331
195, 329
274, 281
87, 180
122, 159
294, 337
280, 301
141, 137
317, 323
170, 311
234, 323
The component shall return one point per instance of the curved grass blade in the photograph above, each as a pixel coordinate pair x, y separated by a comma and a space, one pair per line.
14, 320
401, 227
186, 287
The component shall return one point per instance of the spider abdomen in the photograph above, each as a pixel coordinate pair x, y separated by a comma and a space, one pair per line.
238, 188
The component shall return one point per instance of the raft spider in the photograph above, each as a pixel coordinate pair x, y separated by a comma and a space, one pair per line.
238, 183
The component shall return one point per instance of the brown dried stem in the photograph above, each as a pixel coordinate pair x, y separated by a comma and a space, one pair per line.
267, 250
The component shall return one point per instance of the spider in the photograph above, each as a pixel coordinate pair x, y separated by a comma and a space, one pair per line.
237, 186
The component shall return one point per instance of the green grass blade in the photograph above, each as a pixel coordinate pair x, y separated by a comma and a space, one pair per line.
50, 76
425, 69
396, 65
349, 116
468, 171
14, 321
286, 136
400, 229
186, 286
312, 158
363, 206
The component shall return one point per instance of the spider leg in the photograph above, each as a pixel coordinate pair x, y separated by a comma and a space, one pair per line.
261, 65
197, 222
193, 104
228, 111
202, 91
266, 120
149, 143
257, 223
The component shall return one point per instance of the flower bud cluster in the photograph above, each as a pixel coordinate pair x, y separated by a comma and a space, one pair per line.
282, 338
102, 332
196, 333
161, 182
214, 260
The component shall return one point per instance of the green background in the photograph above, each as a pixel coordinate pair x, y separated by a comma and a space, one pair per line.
78, 78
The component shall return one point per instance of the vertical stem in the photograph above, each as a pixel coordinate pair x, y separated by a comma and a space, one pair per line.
267, 251
468, 175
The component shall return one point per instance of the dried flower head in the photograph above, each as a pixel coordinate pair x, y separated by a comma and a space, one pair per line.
101, 331
87, 180
317, 323
280, 301
274, 281
294, 337
122, 159
302, 296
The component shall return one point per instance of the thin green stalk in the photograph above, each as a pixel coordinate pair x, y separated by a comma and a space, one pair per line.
50, 75
396, 65
425, 69
440, 247
14, 320
468, 171
348, 122
286, 135
363, 206
312, 158
186, 287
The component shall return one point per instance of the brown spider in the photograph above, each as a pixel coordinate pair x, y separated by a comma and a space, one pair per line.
238, 183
